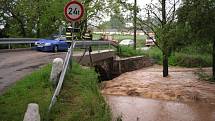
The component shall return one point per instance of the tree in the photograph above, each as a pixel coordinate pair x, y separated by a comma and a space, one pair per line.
94, 12
39, 18
199, 15
163, 23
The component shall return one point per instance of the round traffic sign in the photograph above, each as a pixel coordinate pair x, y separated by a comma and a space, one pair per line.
73, 11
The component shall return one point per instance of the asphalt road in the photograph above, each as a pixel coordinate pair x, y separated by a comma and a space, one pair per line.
14, 65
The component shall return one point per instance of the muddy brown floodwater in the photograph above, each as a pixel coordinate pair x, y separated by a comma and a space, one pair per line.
150, 97
140, 109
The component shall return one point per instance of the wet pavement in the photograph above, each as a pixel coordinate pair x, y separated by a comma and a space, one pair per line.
140, 109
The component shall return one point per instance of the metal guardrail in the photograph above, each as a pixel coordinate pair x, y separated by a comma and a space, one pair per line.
62, 75
79, 43
17, 40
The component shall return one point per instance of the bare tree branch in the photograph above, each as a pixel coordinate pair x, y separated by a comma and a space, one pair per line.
145, 32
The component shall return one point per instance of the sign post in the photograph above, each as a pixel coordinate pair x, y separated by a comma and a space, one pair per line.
73, 12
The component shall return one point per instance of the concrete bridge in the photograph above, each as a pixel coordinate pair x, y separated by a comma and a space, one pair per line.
109, 65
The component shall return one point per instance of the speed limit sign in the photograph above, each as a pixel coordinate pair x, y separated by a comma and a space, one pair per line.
73, 11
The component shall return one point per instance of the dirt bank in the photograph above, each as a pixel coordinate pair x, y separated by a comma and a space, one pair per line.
182, 85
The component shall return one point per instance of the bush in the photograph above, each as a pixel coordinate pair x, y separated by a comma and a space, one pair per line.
155, 53
192, 60
127, 51
181, 58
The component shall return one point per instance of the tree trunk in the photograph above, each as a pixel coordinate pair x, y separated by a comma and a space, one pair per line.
165, 51
38, 19
213, 59
135, 24
165, 65
38, 29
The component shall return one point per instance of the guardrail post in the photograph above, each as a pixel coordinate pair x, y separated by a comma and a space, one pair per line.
9, 46
32, 113
57, 67
109, 46
98, 48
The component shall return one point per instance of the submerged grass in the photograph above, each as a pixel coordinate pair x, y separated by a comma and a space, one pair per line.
80, 99
34, 88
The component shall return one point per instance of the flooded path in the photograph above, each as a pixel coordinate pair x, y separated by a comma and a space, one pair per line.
140, 109
144, 95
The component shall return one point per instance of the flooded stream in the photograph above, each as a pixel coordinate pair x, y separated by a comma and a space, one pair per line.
144, 95
140, 109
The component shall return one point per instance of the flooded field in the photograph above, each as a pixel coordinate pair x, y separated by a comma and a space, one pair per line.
144, 95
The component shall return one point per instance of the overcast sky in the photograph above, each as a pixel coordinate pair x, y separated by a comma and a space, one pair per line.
140, 3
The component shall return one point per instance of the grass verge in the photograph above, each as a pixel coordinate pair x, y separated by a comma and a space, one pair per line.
34, 88
182, 58
80, 98
126, 51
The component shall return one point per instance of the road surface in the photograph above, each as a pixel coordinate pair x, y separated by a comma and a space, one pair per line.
14, 65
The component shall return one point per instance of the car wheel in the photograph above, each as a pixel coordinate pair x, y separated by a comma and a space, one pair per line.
55, 48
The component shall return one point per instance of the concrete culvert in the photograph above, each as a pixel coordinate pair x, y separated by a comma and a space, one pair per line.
103, 74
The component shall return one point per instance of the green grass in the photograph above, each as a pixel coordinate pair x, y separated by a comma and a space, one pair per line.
126, 51
191, 60
80, 99
34, 88
154, 53
181, 58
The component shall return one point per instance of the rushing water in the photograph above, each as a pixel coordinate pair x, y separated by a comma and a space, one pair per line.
141, 109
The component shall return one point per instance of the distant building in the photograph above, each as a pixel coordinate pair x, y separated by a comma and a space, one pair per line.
128, 25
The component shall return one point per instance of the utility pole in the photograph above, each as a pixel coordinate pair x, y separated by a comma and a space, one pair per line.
135, 24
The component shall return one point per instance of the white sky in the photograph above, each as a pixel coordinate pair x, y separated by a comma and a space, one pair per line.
140, 3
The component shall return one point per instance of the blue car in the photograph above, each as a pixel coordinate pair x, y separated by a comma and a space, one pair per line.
52, 45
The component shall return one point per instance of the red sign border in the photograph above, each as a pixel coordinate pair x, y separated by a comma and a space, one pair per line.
67, 5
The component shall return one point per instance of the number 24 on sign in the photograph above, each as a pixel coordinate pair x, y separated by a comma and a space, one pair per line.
74, 11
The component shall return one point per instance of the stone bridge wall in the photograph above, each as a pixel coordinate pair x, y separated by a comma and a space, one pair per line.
122, 65
108, 66
112, 67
